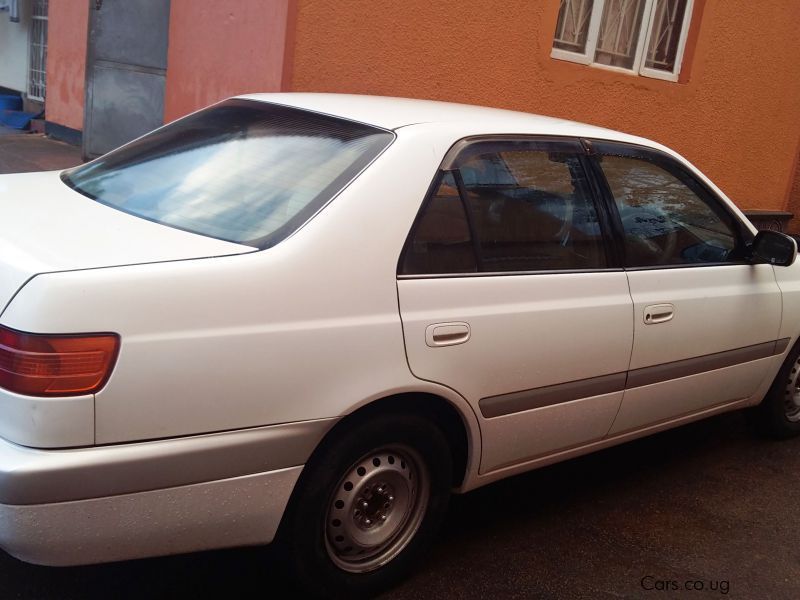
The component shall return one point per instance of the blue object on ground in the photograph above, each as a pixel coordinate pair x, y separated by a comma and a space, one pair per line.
9, 102
17, 119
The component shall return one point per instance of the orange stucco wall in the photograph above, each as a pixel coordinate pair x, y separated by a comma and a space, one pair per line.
793, 203
66, 61
220, 49
737, 117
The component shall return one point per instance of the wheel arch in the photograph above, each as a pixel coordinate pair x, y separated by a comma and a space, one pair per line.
450, 412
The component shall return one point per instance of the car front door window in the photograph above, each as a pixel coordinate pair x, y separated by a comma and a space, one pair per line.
666, 216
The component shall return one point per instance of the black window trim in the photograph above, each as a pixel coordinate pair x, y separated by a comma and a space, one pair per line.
473, 232
450, 164
657, 157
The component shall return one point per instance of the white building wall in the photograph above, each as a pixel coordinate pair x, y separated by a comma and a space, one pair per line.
14, 49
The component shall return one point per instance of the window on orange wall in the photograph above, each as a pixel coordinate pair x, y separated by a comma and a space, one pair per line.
641, 37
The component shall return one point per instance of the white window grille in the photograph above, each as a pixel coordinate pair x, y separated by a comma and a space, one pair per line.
646, 37
665, 36
37, 57
618, 39
573, 25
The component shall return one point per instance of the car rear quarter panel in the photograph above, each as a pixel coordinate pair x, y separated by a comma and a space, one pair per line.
305, 330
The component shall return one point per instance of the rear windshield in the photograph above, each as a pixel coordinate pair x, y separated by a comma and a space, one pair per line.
243, 171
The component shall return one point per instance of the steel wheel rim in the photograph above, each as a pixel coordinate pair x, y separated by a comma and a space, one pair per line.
376, 508
792, 394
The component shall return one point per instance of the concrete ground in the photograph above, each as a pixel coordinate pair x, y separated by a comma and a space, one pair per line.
22, 152
703, 511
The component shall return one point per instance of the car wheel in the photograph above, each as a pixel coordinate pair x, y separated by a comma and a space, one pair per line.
778, 415
368, 503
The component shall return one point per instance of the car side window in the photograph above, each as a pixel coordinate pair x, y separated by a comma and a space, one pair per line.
667, 217
515, 207
441, 242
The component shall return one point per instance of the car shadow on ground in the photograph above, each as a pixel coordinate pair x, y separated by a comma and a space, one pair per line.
541, 518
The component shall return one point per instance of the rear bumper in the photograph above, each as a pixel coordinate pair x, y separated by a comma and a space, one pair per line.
69, 507
233, 512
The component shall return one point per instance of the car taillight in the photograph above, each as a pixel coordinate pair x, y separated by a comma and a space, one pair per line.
56, 365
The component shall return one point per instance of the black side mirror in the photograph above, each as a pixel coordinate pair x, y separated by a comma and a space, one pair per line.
773, 248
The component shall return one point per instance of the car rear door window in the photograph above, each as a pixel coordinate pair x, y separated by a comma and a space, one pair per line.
668, 218
511, 207
442, 242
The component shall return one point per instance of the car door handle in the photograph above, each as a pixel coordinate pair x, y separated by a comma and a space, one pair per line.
446, 334
658, 313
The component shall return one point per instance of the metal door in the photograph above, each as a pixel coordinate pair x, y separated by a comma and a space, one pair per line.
506, 296
125, 72
706, 320
714, 344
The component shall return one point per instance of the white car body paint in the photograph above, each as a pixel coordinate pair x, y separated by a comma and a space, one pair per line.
45, 226
218, 337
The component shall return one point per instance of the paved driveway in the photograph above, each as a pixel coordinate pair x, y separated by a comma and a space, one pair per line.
22, 152
707, 505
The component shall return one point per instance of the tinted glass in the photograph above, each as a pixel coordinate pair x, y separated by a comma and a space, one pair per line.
242, 171
667, 218
532, 210
441, 242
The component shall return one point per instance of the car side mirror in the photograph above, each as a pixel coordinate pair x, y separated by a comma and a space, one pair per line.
773, 248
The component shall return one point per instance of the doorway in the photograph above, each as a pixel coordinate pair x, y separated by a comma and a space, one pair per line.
126, 67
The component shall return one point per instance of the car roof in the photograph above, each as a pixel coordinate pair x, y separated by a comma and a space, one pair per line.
462, 120
393, 113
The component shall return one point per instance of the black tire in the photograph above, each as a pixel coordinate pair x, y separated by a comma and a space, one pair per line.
774, 417
315, 556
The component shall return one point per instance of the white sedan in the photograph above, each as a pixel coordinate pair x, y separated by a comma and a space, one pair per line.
309, 318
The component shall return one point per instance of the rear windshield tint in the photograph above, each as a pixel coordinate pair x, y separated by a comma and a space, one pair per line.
242, 171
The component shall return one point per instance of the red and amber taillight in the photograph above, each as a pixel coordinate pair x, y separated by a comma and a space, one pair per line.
56, 365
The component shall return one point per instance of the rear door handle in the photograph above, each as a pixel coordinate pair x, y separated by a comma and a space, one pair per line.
658, 313
446, 334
